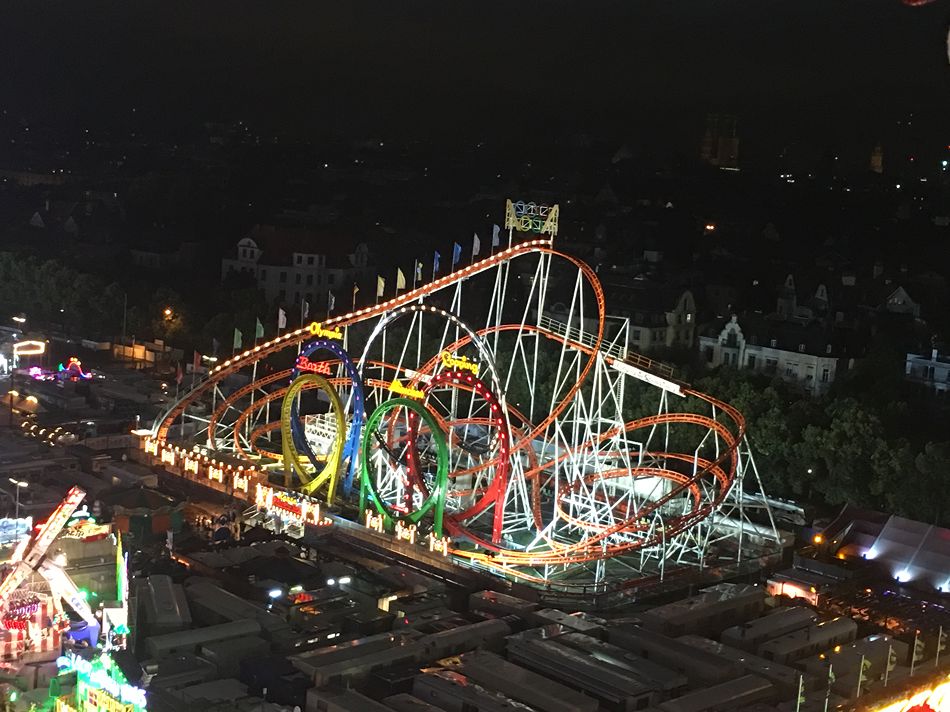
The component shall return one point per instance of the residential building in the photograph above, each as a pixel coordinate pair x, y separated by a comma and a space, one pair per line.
805, 354
294, 264
932, 372
658, 316
720, 145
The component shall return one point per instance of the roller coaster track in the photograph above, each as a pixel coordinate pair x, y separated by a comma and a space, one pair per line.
703, 482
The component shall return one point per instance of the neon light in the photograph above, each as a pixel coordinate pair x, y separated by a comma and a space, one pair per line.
531, 217
98, 679
439, 544
216, 474
316, 329
320, 367
168, 456
401, 390
289, 506
151, 446
240, 482
35, 372
191, 465
29, 348
374, 521
406, 532
459, 362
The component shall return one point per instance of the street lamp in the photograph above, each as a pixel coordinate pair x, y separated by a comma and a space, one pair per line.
168, 312
18, 484
20, 318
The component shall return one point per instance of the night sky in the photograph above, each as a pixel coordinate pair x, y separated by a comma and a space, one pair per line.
835, 71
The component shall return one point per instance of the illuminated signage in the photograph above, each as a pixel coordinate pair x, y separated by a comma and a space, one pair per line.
168, 456
305, 364
374, 521
101, 686
289, 506
406, 532
151, 446
459, 362
216, 474
531, 217
316, 329
191, 465
29, 348
439, 544
240, 482
399, 389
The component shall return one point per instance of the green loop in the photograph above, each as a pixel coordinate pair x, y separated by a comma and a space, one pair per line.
436, 499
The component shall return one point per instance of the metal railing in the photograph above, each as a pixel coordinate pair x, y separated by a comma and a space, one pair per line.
588, 340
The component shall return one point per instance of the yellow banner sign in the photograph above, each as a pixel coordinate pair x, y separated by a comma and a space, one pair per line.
459, 362
401, 390
316, 329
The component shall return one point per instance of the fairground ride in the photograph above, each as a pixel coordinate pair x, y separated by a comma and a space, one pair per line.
500, 407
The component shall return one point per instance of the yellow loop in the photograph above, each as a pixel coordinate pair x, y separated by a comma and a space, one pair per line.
292, 457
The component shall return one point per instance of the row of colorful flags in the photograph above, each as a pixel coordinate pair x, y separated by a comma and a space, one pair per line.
401, 283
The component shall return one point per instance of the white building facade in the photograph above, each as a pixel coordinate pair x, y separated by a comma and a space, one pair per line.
292, 266
813, 372
932, 372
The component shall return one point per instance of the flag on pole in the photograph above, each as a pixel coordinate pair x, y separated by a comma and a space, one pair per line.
918, 651
258, 329
400, 279
890, 664
941, 645
356, 288
304, 310
456, 254
281, 318
195, 362
237, 339
380, 286
179, 376
863, 673
801, 693
331, 301
418, 276
435, 264
476, 245
495, 235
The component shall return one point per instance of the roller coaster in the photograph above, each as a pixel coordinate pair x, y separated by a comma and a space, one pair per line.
497, 409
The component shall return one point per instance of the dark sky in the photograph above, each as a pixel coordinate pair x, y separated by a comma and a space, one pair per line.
839, 69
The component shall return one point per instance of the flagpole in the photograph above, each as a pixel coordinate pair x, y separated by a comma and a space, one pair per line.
913, 655
801, 688
861, 677
940, 644
887, 665
831, 677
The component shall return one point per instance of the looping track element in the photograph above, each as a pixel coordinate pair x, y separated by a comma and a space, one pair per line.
325, 473
410, 510
356, 402
494, 492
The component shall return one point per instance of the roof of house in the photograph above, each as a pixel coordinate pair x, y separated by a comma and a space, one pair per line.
815, 335
278, 244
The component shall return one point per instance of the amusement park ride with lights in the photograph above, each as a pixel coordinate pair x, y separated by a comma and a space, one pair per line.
558, 487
